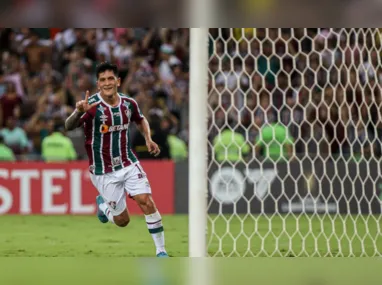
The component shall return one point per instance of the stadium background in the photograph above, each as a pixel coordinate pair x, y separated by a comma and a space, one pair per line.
45, 71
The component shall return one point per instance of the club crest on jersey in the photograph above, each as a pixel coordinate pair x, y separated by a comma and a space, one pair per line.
116, 161
128, 113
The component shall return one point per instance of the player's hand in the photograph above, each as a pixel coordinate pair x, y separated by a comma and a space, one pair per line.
152, 148
83, 105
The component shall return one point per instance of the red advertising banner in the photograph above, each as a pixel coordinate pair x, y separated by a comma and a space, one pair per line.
29, 188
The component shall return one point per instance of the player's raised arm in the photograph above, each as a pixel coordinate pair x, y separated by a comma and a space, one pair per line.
73, 121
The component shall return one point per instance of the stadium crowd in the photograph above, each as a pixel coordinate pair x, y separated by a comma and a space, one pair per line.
319, 89
323, 85
45, 71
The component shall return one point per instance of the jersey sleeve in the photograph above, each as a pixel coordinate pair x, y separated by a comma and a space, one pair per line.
136, 115
86, 118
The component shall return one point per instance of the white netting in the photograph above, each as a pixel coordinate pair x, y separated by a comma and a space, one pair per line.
295, 135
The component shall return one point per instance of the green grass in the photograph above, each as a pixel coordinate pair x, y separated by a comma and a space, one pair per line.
83, 236
296, 236
179, 271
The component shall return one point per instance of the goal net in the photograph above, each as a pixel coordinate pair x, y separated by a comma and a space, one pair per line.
294, 142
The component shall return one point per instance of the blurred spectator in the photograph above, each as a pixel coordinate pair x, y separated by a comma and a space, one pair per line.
265, 110
56, 147
15, 137
38, 128
10, 103
359, 141
178, 148
230, 145
6, 153
168, 59
292, 116
159, 134
35, 52
274, 142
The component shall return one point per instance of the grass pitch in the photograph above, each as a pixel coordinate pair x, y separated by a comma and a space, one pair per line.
85, 236
62, 250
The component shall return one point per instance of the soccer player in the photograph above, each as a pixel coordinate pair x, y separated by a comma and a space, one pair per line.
114, 169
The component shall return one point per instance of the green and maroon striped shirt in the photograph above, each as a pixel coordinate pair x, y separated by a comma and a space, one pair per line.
107, 133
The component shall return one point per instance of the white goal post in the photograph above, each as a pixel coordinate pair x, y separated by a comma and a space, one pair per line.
197, 143
289, 162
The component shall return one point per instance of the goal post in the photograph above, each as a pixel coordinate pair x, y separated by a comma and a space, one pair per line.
198, 95
294, 142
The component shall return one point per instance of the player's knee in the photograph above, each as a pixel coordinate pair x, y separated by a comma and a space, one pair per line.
122, 220
123, 224
147, 203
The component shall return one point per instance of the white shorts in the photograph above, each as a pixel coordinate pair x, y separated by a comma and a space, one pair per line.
113, 186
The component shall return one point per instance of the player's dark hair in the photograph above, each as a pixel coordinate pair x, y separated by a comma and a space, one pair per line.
104, 66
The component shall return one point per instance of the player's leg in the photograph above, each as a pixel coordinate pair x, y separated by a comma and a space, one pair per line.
138, 187
153, 221
111, 203
107, 214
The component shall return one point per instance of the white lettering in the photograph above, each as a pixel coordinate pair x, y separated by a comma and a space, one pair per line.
5, 195
228, 184
48, 190
118, 128
262, 180
76, 195
25, 188
309, 205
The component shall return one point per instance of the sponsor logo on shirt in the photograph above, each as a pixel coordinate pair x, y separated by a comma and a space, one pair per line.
108, 129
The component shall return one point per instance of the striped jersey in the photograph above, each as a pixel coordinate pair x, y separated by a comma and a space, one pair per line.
106, 130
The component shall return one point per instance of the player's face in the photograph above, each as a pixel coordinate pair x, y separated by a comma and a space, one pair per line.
108, 83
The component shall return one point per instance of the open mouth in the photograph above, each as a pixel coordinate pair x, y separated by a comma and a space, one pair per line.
108, 88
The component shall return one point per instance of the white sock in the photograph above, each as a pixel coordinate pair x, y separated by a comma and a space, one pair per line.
154, 224
107, 212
